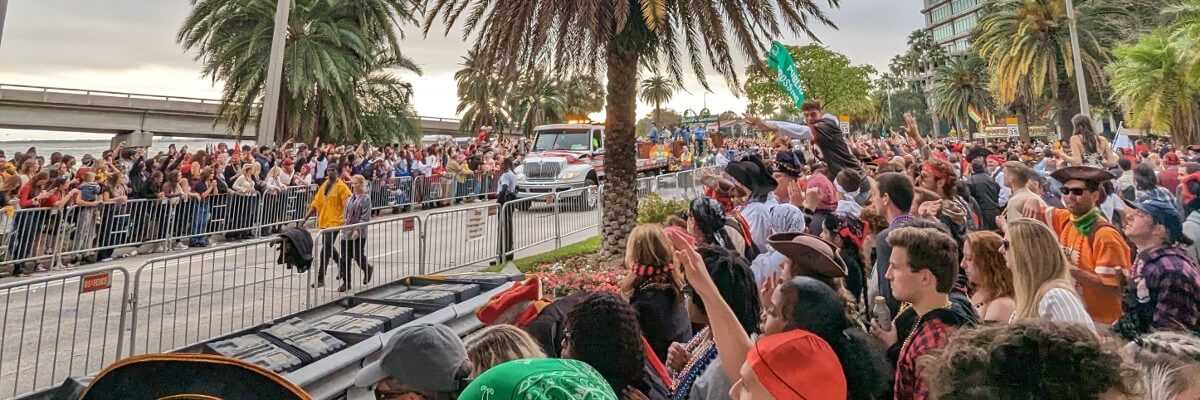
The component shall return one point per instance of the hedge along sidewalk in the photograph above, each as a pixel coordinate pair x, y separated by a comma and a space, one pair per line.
526, 264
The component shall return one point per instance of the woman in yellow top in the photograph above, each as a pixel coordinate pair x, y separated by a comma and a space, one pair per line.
329, 205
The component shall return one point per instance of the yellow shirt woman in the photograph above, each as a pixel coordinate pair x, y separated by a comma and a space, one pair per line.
330, 204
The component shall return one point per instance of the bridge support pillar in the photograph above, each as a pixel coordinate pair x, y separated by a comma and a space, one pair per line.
133, 139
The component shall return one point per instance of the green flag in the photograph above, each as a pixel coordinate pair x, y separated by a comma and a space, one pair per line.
786, 76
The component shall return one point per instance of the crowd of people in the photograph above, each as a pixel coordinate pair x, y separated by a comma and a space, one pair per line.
91, 206
880, 268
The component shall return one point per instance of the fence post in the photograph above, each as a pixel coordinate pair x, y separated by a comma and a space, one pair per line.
309, 290
557, 222
421, 251
503, 233
128, 301
255, 226
172, 207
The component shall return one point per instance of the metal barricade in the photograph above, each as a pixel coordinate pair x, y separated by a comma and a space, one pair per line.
530, 222
61, 326
646, 185
668, 186
391, 247
195, 296
576, 210
461, 237
30, 236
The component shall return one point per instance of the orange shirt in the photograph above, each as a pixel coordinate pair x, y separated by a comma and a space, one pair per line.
1110, 252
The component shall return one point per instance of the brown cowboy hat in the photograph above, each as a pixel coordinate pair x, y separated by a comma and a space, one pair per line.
1083, 173
725, 186
810, 255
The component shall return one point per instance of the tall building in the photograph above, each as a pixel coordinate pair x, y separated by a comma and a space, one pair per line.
952, 21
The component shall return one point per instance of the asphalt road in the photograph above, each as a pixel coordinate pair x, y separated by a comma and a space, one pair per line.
53, 329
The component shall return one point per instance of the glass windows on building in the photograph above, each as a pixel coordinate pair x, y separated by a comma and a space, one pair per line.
963, 5
943, 33
965, 24
941, 13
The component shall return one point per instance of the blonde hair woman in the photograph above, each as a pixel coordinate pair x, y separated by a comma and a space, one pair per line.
983, 259
498, 344
1042, 284
654, 287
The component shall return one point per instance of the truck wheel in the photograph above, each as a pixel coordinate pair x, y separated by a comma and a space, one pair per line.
590, 198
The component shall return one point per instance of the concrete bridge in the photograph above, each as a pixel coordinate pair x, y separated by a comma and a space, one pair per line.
131, 115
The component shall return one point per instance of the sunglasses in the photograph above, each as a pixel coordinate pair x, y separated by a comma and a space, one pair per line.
1073, 191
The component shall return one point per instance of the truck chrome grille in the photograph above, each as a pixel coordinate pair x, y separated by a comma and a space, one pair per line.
542, 169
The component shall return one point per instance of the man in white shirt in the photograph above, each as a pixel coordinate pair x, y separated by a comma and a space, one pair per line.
1017, 175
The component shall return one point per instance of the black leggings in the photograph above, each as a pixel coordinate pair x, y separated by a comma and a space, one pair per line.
355, 251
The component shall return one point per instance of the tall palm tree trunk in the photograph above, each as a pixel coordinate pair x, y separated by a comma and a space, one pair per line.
1022, 112
657, 114
620, 165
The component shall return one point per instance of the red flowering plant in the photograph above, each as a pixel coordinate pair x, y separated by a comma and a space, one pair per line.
587, 273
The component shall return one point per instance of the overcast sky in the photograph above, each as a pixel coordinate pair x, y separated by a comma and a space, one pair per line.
129, 46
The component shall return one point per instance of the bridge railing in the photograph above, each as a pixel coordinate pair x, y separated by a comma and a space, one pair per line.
130, 98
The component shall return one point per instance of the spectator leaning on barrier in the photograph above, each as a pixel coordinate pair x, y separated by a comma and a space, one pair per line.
506, 193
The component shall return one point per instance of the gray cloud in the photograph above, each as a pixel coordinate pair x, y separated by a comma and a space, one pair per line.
61, 36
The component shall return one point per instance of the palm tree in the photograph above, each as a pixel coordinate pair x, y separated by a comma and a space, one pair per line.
479, 96
959, 86
1149, 78
539, 100
616, 35
1029, 39
584, 94
332, 51
657, 90
1185, 34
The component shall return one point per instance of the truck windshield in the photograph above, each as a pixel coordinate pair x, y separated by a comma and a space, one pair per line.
562, 140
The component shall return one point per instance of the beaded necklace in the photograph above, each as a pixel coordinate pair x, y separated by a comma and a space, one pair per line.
704, 351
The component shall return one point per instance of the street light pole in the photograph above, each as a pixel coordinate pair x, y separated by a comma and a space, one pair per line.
3, 12
1077, 59
270, 107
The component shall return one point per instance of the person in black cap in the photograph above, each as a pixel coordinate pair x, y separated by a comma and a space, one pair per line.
756, 179
1096, 247
1164, 282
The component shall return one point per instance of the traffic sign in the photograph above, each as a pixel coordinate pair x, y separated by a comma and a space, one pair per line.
844, 123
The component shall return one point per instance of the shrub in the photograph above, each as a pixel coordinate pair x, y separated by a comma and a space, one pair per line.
653, 209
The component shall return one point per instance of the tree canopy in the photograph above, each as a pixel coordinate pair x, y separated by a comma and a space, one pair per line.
828, 76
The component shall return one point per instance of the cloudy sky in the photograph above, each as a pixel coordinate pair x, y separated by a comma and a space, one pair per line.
129, 46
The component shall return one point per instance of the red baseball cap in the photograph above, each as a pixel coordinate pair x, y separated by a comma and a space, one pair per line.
797, 365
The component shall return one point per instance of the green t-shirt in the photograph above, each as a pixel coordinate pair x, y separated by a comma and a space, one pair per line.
539, 379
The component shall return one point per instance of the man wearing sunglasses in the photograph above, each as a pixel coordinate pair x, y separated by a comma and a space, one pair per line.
1096, 247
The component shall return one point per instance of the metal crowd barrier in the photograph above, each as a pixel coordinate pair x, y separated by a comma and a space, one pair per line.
467, 235
430, 191
392, 248
186, 298
74, 324
61, 326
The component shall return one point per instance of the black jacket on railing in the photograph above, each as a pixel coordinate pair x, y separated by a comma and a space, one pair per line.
296, 249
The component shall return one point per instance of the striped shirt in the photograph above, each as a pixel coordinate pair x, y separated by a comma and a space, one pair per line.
1062, 305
